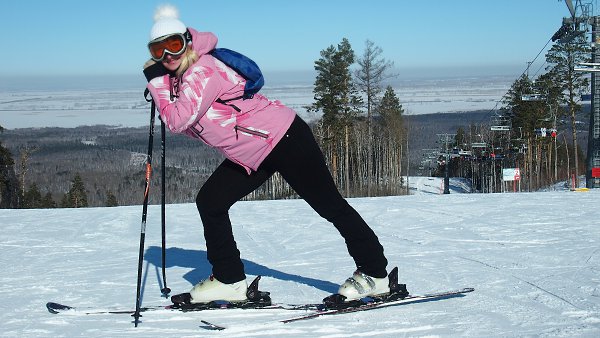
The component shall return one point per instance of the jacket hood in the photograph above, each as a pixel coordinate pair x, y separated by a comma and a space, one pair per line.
203, 42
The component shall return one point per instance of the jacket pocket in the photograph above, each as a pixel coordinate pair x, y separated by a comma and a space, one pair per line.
193, 131
250, 131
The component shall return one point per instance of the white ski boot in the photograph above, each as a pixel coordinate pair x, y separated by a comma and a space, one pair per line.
361, 285
212, 290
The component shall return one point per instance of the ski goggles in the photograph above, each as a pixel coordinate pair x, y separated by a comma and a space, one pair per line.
171, 44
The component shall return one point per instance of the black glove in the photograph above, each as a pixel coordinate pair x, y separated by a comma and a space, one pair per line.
155, 70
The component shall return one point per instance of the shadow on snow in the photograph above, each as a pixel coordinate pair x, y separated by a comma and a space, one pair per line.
198, 262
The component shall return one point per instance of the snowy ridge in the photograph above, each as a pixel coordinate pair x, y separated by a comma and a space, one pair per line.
533, 259
119, 101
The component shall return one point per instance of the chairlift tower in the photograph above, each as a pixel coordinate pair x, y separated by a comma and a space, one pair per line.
446, 140
581, 13
592, 175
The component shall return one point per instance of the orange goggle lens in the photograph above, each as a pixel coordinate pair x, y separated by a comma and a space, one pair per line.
173, 44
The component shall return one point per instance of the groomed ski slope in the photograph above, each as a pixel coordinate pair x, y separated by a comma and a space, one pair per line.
533, 258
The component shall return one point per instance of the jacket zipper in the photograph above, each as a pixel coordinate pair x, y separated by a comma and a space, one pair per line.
249, 131
198, 133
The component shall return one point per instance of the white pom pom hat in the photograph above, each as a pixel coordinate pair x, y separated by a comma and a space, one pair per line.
166, 22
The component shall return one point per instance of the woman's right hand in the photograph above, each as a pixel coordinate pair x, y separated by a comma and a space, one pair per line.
154, 69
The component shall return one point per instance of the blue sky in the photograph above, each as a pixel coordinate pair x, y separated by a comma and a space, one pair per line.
75, 37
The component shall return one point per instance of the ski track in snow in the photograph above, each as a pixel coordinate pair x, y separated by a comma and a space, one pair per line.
533, 259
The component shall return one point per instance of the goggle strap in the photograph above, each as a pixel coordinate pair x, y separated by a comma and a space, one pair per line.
187, 35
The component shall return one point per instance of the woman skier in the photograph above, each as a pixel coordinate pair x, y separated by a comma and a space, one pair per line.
200, 96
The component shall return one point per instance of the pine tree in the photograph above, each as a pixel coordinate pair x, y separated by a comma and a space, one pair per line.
77, 196
337, 98
391, 113
111, 199
32, 198
48, 201
523, 112
335, 93
394, 133
563, 58
64, 202
391, 110
9, 186
531, 106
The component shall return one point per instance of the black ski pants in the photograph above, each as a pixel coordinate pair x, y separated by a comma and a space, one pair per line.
298, 158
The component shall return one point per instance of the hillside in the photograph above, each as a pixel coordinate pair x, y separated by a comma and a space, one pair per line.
112, 159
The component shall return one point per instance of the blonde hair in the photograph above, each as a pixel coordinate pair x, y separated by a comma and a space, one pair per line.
189, 58
149, 63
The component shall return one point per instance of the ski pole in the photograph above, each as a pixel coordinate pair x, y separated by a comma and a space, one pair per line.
136, 314
165, 290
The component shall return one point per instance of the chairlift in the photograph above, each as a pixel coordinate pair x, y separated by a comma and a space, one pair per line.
532, 97
540, 132
587, 67
500, 122
543, 132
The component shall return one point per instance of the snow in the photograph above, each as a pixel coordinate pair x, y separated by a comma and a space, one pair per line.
533, 259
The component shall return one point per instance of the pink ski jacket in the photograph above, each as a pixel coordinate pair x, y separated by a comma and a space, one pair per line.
245, 135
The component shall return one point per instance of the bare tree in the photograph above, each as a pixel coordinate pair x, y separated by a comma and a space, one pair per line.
25, 155
369, 79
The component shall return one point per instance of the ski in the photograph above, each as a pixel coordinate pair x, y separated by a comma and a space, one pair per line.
211, 326
259, 300
363, 305
56, 308
182, 302
376, 303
